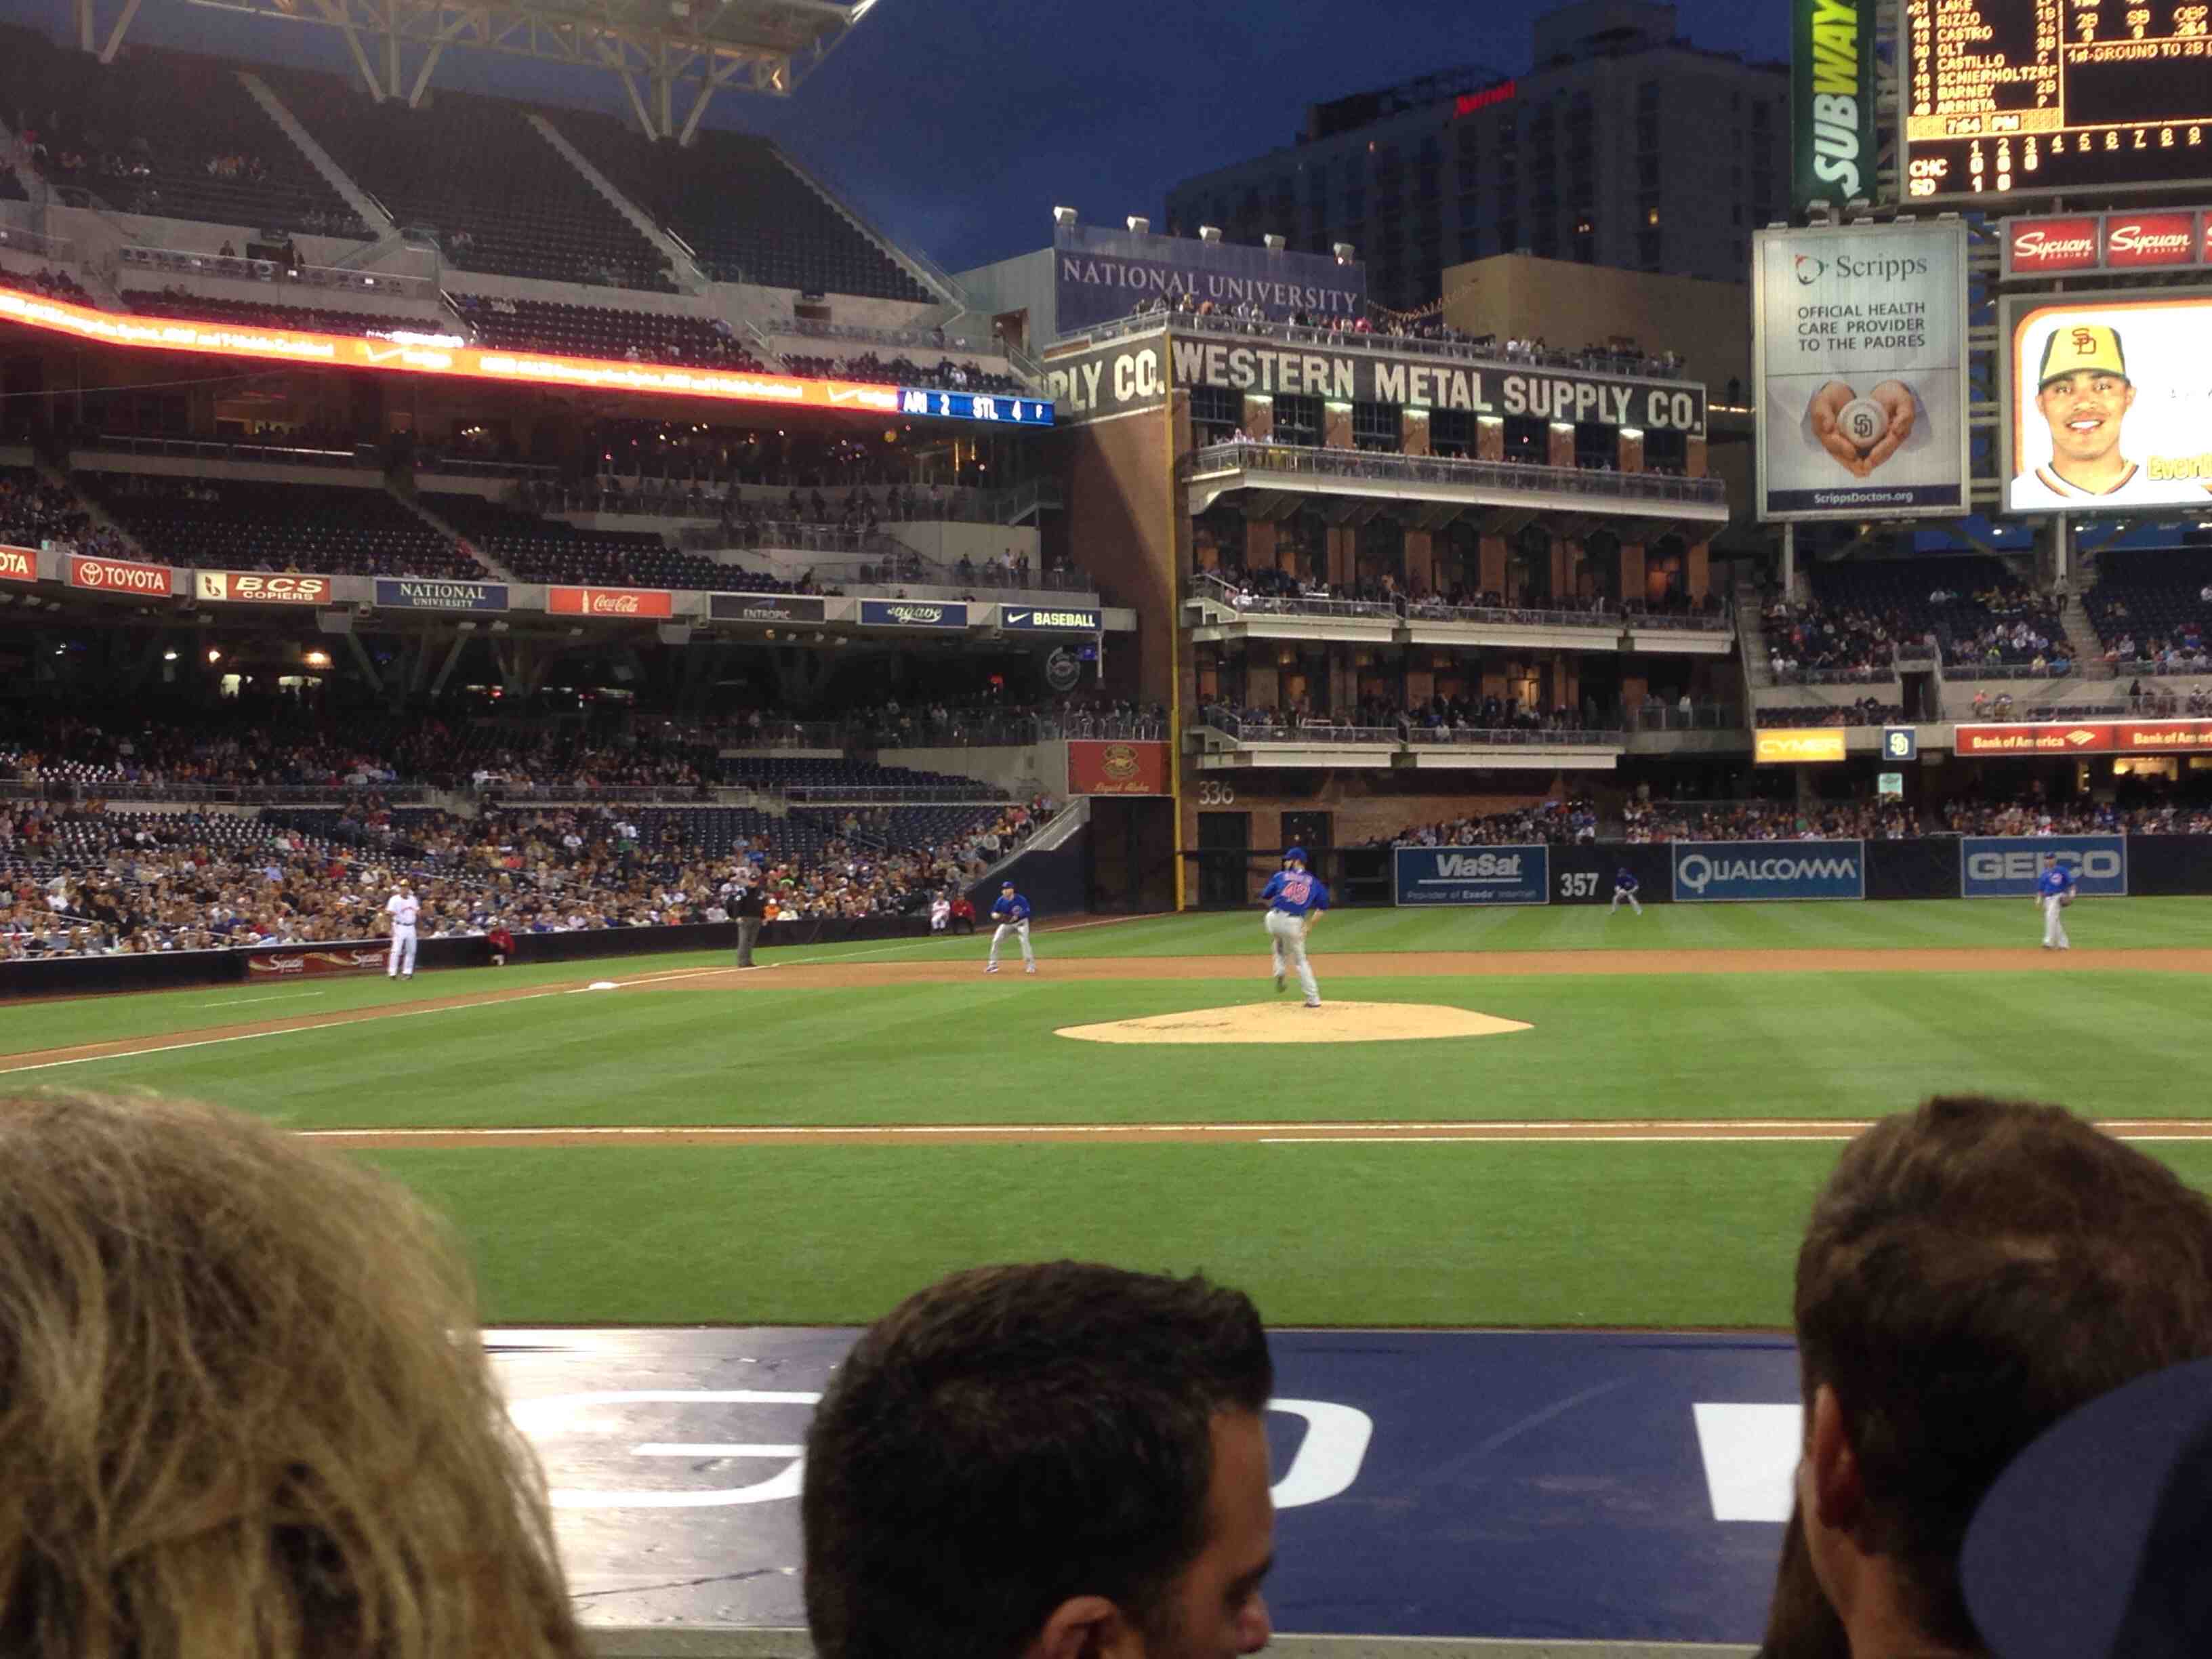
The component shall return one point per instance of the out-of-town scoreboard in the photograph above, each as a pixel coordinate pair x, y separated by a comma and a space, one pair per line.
2028, 98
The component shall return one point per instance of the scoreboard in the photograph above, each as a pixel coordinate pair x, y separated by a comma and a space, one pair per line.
2027, 97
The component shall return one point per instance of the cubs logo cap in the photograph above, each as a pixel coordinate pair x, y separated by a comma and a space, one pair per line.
1297, 853
2085, 345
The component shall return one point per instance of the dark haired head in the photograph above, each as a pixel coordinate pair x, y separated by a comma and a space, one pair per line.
1973, 1271
1013, 1437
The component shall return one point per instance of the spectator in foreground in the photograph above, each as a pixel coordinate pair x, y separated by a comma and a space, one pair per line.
219, 1434
1973, 1271
1050, 1462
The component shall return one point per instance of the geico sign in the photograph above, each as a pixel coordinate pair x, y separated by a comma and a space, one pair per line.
263, 590
1330, 1450
2101, 863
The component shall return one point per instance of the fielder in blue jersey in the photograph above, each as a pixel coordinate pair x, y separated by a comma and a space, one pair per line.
2054, 891
1295, 898
1012, 912
1623, 887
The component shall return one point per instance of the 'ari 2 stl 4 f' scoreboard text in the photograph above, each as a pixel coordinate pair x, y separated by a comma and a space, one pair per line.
2022, 98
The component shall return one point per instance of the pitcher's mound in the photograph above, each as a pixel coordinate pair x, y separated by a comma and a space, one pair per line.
1292, 1022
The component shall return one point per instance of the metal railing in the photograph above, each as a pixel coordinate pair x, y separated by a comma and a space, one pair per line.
2007, 670
1671, 717
182, 262
2144, 665
496, 794
840, 794
1514, 737
1633, 366
1278, 605
1515, 616
236, 794
206, 449
17, 240
1837, 675
1246, 731
928, 339
1317, 462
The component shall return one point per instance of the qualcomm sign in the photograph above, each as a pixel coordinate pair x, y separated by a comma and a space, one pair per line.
1723, 871
1471, 875
2006, 866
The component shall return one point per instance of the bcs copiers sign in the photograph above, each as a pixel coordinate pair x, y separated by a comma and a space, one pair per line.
240, 587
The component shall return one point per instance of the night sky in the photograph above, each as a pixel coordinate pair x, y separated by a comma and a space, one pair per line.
956, 125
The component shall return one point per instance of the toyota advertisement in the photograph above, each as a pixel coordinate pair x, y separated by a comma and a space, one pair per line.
18, 564
121, 576
1471, 875
1859, 360
2108, 401
2006, 866
1747, 871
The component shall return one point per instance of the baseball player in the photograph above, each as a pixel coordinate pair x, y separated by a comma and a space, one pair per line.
1012, 912
402, 907
1294, 897
1623, 887
2054, 891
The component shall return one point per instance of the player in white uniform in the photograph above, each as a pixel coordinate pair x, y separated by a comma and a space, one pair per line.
402, 907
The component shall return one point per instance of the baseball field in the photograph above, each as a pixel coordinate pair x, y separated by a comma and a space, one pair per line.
1627, 1135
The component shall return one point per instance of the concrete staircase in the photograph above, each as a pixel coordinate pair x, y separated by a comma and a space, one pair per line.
370, 209
495, 571
96, 512
689, 277
2089, 662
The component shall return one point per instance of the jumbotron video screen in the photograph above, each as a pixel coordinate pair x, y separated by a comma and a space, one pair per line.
2032, 98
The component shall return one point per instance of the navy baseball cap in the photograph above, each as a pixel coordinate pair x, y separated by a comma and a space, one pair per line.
1297, 853
2094, 1544
1007, 885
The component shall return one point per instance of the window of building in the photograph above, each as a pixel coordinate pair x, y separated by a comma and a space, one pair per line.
1297, 418
1451, 432
1215, 410
1647, 250
1375, 426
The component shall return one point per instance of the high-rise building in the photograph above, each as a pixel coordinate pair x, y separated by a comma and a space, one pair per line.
1623, 145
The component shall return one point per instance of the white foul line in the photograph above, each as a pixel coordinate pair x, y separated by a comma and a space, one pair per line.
266, 996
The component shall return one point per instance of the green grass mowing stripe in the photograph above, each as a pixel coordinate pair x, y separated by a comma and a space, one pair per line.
1590, 1234
1793, 1045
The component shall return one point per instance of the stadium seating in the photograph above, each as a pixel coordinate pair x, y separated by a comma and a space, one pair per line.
502, 199
1899, 596
549, 551
164, 132
1865, 711
263, 314
32, 511
228, 525
807, 772
573, 330
954, 375
748, 218
2153, 597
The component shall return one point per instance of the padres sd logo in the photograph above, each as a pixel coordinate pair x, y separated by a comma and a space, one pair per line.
2085, 342
1120, 763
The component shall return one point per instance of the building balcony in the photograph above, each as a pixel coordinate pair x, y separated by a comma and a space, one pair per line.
1225, 743
1502, 496
1216, 611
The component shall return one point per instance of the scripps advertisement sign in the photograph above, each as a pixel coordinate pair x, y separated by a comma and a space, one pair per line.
1741, 872
1471, 875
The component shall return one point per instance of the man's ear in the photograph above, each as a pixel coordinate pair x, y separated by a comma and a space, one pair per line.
1836, 1495
1086, 1627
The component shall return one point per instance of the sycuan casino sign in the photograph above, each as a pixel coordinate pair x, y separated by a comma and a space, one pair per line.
2061, 245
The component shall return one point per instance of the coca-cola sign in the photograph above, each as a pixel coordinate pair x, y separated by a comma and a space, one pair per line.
120, 576
609, 602
2133, 241
2042, 248
18, 564
2059, 246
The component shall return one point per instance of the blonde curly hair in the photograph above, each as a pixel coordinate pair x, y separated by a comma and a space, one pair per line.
244, 1409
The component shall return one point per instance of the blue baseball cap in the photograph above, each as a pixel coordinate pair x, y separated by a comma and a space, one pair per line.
2093, 1543
1297, 853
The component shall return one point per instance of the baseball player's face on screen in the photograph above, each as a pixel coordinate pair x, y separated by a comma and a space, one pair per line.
2084, 410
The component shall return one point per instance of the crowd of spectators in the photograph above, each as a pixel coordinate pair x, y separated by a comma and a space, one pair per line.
1441, 719
2043, 817
2181, 651
34, 512
1750, 820
1555, 822
1863, 626
946, 374
1860, 711
53, 283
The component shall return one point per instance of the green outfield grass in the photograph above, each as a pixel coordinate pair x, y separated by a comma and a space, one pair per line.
1608, 1233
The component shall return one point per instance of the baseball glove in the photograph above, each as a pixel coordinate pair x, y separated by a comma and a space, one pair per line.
2066, 900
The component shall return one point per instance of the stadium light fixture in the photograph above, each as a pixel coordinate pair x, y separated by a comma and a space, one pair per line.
1063, 217
214, 655
1209, 232
169, 656
1139, 225
1275, 244
1344, 253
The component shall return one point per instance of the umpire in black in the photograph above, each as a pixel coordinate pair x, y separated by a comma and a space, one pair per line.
749, 907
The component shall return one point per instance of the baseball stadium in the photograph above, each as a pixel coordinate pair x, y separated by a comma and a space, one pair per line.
550, 655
